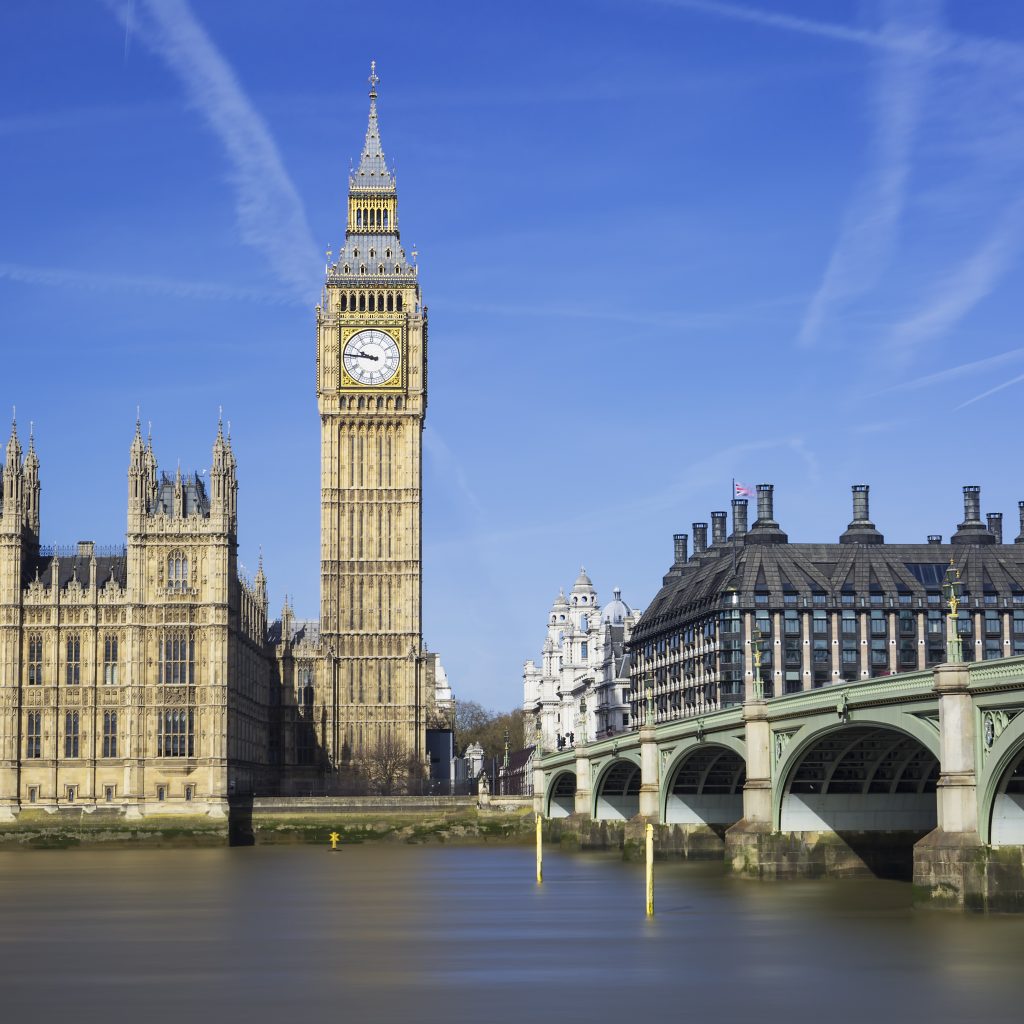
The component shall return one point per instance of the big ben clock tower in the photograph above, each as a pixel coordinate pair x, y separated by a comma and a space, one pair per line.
372, 397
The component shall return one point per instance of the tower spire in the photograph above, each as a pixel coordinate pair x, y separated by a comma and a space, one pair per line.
372, 174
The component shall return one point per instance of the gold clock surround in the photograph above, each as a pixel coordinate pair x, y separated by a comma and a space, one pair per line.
397, 384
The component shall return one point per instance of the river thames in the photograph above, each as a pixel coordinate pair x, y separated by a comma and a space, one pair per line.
398, 933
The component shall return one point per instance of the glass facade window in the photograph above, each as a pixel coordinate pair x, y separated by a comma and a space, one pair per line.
819, 624
993, 624
878, 624
791, 623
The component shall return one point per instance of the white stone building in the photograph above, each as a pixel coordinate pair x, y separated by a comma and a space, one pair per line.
580, 690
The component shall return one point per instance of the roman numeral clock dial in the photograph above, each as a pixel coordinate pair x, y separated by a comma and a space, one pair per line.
372, 357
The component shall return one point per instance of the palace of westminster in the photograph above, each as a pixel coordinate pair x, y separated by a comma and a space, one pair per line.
148, 677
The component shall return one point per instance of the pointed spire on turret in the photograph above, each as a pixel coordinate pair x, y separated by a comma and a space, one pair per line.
372, 173
32, 483
13, 444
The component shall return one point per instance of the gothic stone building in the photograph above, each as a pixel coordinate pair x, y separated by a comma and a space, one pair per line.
147, 677
826, 613
134, 677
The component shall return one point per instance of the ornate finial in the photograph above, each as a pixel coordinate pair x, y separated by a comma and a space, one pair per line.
373, 79
138, 417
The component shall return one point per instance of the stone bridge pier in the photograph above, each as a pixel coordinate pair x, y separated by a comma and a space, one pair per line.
918, 777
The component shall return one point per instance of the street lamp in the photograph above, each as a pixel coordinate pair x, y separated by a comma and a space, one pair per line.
756, 636
951, 590
649, 694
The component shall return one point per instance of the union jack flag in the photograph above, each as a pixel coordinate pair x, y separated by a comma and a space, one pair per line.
742, 490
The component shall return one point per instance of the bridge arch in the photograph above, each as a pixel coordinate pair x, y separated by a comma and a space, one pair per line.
860, 776
703, 785
617, 791
561, 800
1001, 789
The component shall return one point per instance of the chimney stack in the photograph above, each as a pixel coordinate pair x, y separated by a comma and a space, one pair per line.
1020, 536
679, 541
972, 530
995, 525
765, 530
718, 527
739, 518
861, 530
700, 538
934, 538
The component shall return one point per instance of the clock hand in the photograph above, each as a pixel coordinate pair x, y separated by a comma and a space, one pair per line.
365, 355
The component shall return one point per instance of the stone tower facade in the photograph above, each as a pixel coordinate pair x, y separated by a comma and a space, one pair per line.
372, 398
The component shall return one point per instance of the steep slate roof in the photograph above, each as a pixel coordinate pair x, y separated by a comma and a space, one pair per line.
77, 567
828, 569
373, 174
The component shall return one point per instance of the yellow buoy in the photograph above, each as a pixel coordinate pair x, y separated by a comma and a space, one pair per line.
334, 837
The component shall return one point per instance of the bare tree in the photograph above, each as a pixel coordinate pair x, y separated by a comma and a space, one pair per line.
389, 767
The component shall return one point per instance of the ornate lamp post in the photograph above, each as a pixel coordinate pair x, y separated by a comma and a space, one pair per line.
649, 694
583, 719
951, 591
756, 637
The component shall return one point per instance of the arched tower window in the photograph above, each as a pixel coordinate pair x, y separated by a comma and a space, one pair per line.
385, 218
359, 218
177, 572
398, 302
35, 660
344, 302
373, 303
362, 303
380, 299
391, 301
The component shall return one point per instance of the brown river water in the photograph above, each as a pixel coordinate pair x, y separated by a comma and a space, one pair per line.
427, 934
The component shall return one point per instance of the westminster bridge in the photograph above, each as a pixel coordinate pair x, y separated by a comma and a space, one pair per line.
914, 775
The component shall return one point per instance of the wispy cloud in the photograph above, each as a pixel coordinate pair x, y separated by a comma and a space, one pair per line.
156, 285
871, 223
269, 212
956, 48
964, 287
956, 372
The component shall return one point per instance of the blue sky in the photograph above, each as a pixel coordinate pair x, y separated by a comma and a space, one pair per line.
664, 243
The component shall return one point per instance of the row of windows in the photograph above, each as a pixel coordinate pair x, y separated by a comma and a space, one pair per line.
34, 734
730, 624
369, 218
374, 302
176, 662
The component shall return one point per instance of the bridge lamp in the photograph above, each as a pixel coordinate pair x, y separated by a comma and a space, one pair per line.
951, 591
756, 636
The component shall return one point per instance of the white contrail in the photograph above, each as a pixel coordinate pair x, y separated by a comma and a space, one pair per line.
872, 220
955, 372
270, 214
992, 390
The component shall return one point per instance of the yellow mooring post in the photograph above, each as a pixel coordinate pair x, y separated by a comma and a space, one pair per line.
540, 850
650, 869
334, 837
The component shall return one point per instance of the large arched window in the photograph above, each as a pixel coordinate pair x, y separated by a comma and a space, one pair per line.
73, 661
177, 572
385, 218
398, 302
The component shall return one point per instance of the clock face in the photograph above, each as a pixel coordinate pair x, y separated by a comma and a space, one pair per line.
372, 357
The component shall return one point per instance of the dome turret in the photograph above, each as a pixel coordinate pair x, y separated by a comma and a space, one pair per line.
616, 611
